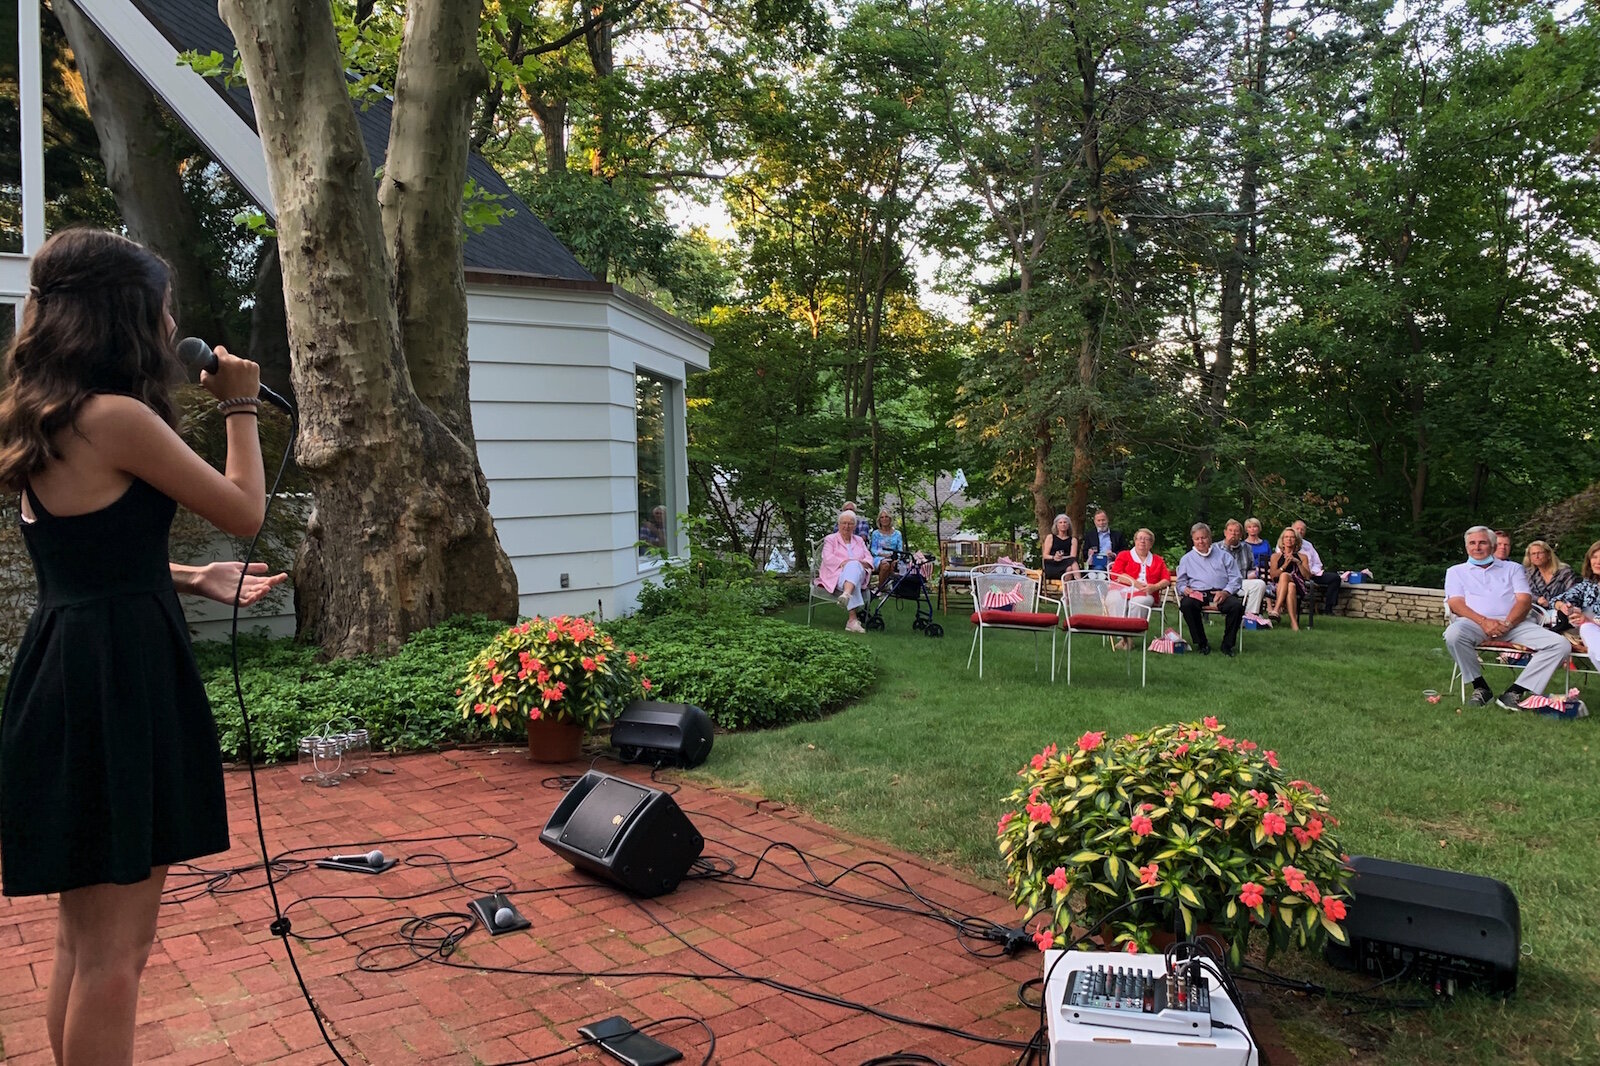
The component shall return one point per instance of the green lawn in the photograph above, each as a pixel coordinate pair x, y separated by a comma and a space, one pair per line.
924, 760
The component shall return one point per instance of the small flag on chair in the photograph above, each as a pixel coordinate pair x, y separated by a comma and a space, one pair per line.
1000, 599
1568, 706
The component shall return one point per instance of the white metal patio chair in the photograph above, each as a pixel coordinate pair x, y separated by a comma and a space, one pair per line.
1089, 612
1004, 598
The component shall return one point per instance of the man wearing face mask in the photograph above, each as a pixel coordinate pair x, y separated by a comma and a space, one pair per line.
1490, 598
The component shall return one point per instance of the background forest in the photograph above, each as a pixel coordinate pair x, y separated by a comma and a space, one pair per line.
1331, 260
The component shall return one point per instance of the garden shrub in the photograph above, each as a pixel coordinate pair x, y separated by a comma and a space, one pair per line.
748, 671
407, 701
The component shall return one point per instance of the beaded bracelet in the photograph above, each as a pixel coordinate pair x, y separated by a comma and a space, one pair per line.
239, 401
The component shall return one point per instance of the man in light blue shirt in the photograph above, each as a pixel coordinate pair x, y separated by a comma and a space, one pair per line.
1490, 599
1208, 577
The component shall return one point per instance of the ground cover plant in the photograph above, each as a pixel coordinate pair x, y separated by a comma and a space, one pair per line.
926, 760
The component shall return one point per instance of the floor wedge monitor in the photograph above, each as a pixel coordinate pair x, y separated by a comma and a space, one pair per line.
630, 834
664, 734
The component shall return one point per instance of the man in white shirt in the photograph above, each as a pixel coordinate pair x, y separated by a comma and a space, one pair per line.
1328, 583
1490, 598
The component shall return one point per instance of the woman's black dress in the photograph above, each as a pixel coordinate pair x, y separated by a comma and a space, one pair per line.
109, 762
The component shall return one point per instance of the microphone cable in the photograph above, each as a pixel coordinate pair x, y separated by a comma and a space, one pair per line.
280, 927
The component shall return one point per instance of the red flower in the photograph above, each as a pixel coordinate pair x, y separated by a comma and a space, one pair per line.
633, 658
1033, 797
588, 663
600, 659
1311, 892
1147, 874
491, 663
1314, 830
458, 692
1334, 908
495, 679
1272, 759
552, 695
1005, 820
1274, 824
1301, 835
1044, 939
1221, 800
1259, 796
1225, 743
1181, 750
1090, 741
1039, 812
544, 677
480, 708
1250, 894
1293, 878
1147, 807
1058, 880
1247, 745
1133, 948
1142, 825
1210, 722
646, 684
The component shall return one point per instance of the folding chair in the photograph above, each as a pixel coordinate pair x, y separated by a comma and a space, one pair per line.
1509, 655
1006, 598
1087, 613
818, 593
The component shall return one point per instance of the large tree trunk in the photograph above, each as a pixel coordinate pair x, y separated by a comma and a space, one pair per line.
397, 500
142, 173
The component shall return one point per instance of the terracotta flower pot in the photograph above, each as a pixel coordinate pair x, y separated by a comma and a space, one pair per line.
552, 741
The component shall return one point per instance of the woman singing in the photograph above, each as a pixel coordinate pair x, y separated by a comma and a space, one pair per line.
109, 764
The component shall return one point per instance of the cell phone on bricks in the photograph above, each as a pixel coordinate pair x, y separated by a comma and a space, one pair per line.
625, 1043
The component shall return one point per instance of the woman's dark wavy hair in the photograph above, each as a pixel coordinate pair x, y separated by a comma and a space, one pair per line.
94, 322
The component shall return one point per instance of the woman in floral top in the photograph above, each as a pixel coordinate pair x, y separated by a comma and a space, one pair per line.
1580, 605
1548, 576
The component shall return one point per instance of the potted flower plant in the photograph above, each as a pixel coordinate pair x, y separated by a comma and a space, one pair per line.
561, 675
1176, 828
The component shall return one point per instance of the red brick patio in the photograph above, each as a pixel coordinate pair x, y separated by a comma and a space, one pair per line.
218, 988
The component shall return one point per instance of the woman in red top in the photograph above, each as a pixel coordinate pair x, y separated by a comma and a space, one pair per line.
1139, 574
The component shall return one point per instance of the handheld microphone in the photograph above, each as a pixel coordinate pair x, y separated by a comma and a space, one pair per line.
197, 355
371, 858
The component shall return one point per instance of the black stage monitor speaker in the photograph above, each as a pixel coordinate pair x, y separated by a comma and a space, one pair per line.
1446, 929
629, 834
662, 733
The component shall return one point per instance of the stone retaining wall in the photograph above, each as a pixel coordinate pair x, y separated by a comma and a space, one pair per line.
1393, 603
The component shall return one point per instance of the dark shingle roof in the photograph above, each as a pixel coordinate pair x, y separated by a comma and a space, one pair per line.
520, 243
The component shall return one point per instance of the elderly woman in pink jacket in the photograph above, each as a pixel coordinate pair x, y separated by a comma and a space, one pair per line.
846, 562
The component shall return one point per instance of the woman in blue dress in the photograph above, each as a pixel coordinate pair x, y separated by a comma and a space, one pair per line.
884, 542
109, 765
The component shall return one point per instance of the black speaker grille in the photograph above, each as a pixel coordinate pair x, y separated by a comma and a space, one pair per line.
602, 815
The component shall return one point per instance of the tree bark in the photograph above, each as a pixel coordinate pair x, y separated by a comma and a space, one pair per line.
143, 174
399, 538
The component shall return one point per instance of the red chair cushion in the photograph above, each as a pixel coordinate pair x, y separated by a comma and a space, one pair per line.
1017, 619
1504, 645
1104, 623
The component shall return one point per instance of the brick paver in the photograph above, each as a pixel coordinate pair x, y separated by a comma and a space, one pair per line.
218, 987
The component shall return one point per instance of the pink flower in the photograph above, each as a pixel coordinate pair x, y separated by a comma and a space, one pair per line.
1142, 825
1221, 800
552, 695
1147, 807
1147, 874
1217, 822
1090, 741
1311, 892
1301, 835
1181, 750
480, 708
1033, 797
1334, 908
1314, 830
1250, 894
1272, 759
1210, 722
1247, 745
1259, 796
1293, 878
1225, 743
1005, 820
1274, 824
1044, 939
1039, 812
495, 679
588, 663
1058, 880
1133, 948
1037, 762
633, 658
646, 684
491, 663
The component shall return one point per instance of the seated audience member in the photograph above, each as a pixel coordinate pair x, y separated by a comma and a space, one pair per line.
1579, 606
1502, 545
1258, 545
1245, 558
1139, 576
1548, 576
863, 527
1490, 600
653, 533
1208, 577
846, 562
883, 543
1059, 553
1104, 544
1290, 574
1325, 580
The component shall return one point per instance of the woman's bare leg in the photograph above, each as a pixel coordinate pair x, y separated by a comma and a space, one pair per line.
109, 930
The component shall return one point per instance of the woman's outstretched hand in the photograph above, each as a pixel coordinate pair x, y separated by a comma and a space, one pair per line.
219, 581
